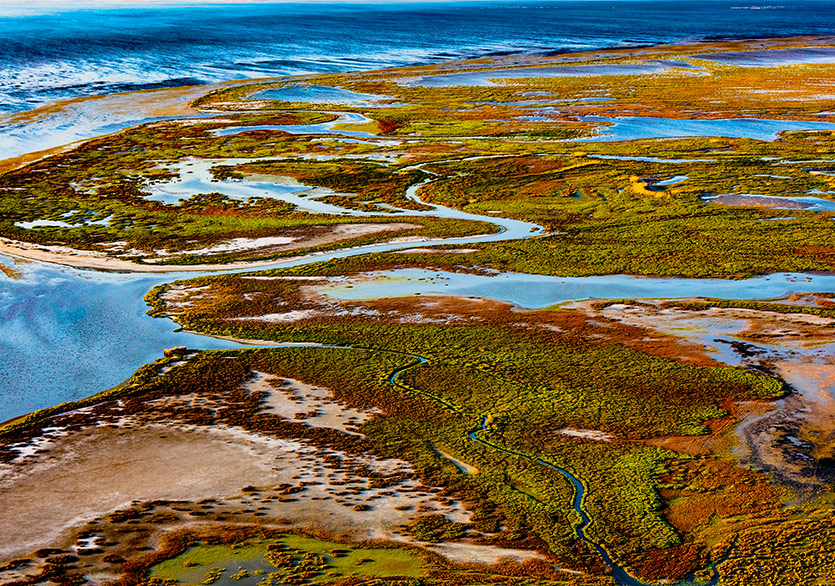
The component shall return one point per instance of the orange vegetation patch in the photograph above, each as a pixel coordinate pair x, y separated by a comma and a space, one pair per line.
824, 253
672, 563
699, 445
789, 553
487, 311
699, 489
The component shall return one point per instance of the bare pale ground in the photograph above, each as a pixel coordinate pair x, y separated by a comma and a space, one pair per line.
314, 406
590, 434
463, 466
182, 296
428, 310
287, 316
485, 554
239, 244
62, 255
64, 479
90, 473
332, 233
91, 259
95, 471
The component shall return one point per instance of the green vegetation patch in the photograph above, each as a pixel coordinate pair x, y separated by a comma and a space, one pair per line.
514, 385
292, 559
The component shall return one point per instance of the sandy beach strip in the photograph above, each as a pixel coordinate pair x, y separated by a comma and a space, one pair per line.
89, 259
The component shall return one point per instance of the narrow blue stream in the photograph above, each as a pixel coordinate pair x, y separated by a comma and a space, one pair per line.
620, 575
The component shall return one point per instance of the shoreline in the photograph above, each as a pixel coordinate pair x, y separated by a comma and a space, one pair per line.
127, 110
93, 261
14, 249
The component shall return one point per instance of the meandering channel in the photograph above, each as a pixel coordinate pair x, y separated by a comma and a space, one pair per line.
66, 333
620, 575
49, 318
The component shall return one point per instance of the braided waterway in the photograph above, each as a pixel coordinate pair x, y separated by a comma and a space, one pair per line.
69, 332
66, 333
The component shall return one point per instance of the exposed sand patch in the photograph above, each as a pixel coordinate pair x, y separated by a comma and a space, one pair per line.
96, 471
286, 317
27, 449
89, 259
182, 296
275, 244
589, 434
62, 479
462, 466
314, 406
102, 261
338, 232
409, 239
239, 244
484, 554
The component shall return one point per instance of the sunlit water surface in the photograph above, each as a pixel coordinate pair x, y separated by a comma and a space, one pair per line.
66, 333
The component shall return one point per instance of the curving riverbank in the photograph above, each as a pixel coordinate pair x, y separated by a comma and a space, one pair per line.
608, 400
620, 575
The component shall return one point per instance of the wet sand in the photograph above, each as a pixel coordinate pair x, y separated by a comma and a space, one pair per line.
89, 259
32, 134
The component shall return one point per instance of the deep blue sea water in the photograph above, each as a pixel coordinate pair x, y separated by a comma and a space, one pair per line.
64, 49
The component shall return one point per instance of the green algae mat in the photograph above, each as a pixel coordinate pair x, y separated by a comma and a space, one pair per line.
288, 560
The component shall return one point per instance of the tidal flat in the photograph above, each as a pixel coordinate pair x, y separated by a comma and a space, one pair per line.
407, 326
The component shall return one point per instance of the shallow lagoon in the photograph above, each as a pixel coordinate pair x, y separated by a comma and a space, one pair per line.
485, 78
66, 334
538, 291
317, 94
194, 176
774, 57
639, 127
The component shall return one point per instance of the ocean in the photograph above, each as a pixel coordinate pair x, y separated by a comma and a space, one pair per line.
57, 50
